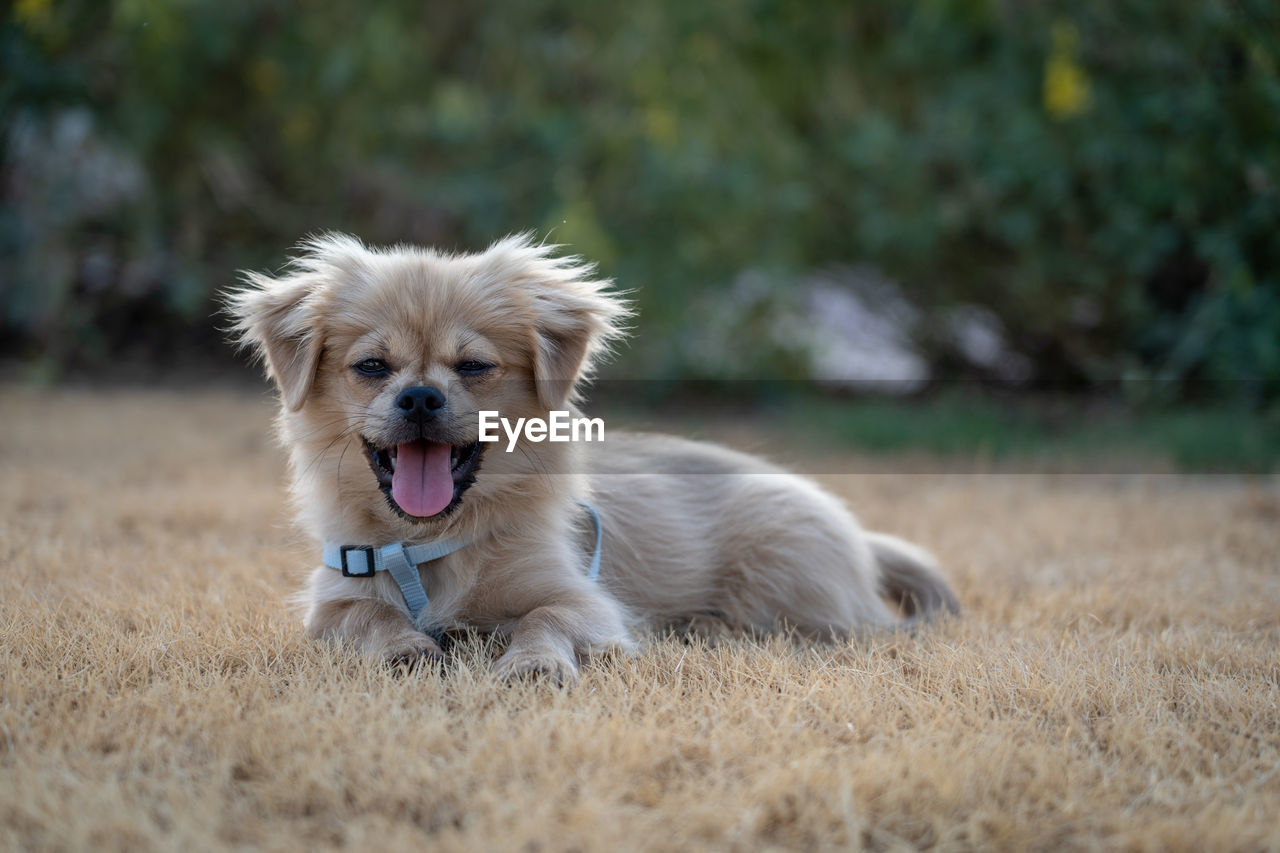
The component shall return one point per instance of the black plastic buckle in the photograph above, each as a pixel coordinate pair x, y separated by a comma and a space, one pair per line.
367, 550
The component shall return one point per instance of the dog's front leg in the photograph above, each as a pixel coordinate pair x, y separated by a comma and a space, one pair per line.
549, 640
343, 610
378, 629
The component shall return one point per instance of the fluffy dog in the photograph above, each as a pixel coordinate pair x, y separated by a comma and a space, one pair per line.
384, 358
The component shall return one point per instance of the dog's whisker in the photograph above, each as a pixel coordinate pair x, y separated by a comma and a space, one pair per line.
321, 454
537, 466
327, 425
337, 471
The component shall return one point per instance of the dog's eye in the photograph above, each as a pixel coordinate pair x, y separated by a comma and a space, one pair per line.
472, 368
371, 367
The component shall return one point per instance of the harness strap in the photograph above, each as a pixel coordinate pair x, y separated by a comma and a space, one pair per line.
402, 561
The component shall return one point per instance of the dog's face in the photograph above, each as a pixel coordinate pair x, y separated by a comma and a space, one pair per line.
385, 358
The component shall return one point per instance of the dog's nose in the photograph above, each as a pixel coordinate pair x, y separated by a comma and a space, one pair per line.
420, 402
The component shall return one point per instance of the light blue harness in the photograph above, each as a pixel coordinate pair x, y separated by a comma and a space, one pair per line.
402, 561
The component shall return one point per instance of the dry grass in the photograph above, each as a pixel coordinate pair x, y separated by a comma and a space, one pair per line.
1114, 682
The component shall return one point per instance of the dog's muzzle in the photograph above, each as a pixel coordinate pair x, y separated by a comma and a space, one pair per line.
423, 479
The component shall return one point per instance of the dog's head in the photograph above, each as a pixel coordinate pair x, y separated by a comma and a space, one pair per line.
385, 357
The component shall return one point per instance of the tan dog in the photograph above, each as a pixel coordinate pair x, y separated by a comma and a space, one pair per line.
384, 358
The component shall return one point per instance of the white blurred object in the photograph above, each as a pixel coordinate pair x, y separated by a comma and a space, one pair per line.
980, 338
861, 333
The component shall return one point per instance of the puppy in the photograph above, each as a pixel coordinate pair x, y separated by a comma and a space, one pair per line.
384, 359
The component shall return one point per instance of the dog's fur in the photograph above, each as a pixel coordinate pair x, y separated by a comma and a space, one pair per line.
693, 533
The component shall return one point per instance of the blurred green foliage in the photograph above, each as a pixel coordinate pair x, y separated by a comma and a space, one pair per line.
964, 426
1104, 178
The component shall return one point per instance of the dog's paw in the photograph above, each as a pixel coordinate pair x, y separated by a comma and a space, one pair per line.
412, 651
518, 664
705, 628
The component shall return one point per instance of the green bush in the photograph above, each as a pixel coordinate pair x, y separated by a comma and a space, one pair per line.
1104, 178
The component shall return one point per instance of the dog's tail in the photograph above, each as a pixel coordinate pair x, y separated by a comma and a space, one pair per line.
910, 577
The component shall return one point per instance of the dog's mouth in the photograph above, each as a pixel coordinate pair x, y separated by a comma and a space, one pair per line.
422, 478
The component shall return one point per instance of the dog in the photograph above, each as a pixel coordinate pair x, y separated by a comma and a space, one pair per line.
384, 359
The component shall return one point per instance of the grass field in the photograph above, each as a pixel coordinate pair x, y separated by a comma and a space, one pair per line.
1114, 681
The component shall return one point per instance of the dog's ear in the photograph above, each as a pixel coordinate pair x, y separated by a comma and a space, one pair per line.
277, 318
280, 318
575, 317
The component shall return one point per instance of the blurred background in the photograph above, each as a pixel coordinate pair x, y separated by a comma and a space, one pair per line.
940, 222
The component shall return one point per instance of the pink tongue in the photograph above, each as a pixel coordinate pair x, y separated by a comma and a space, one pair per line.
422, 484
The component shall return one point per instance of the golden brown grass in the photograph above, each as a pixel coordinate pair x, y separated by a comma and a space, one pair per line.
1114, 681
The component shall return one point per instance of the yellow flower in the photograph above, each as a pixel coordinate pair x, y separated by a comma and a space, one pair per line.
299, 126
266, 76
1066, 86
32, 13
661, 126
